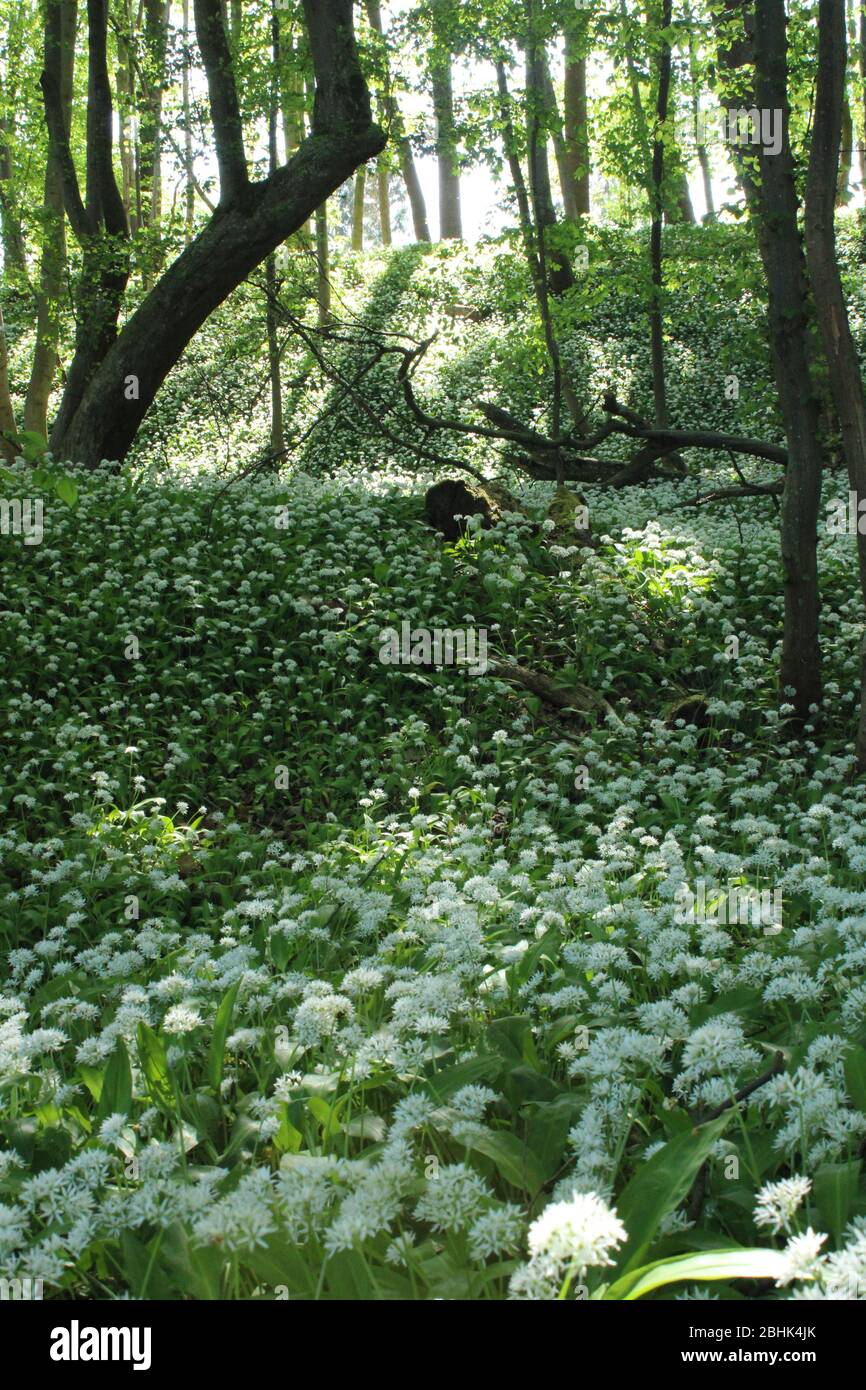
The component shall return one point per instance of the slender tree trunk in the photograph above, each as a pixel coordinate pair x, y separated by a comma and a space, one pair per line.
392, 117
700, 144
155, 36
323, 268
843, 191
52, 272
450, 221
846, 381
14, 250
576, 120
532, 247
414, 191
7, 413
383, 185
14, 255
558, 272
358, 194
252, 219
189, 181
773, 200
660, 404
564, 169
278, 442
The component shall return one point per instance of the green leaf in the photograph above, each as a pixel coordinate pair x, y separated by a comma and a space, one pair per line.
708, 1265
836, 1186
661, 1184
154, 1064
855, 1077
116, 1097
514, 1160
66, 489
222, 1023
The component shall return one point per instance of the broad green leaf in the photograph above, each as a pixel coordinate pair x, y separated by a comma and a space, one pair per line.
835, 1188
517, 1163
66, 489
116, 1097
222, 1023
154, 1064
709, 1265
660, 1185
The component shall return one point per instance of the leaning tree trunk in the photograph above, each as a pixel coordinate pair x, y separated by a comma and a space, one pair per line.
251, 220
557, 135
846, 381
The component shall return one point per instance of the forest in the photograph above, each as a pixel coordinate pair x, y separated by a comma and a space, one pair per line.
432, 658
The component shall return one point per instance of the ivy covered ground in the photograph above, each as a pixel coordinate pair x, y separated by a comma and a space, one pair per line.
326, 978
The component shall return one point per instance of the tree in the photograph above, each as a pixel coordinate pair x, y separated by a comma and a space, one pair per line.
394, 124
846, 382
575, 111
758, 34
115, 376
447, 157
52, 269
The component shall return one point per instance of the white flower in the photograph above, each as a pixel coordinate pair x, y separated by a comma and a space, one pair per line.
181, 1018
802, 1257
581, 1231
778, 1202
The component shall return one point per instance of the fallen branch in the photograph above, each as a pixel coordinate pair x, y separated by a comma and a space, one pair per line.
576, 697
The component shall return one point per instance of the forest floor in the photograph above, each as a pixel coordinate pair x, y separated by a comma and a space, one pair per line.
332, 977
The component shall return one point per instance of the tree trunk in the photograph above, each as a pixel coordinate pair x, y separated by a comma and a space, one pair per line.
277, 437
383, 182
660, 404
323, 268
358, 193
557, 270
250, 222
843, 191
414, 191
52, 271
155, 39
554, 124
391, 112
450, 221
189, 182
700, 146
773, 199
7, 414
14, 250
861, 54
576, 121
846, 383
14, 255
